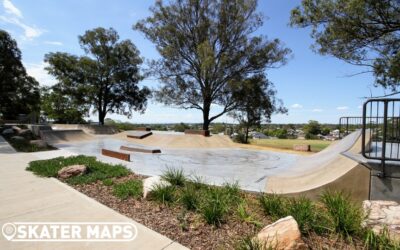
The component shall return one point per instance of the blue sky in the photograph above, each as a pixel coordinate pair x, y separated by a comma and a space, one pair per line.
311, 86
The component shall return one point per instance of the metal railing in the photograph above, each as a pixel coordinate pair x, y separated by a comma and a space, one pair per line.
348, 124
381, 130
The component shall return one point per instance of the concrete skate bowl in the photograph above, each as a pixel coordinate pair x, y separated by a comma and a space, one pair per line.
179, 140
59, 136
87, 128
329, 169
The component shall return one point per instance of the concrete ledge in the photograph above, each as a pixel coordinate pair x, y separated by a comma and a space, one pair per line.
142, 150
143, 129
197, 132
302, 147
114, 154
139, 134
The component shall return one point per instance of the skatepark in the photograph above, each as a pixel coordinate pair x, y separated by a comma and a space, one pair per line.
217, 160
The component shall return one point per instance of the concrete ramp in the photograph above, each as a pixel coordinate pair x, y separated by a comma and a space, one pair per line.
328, 169
57, 136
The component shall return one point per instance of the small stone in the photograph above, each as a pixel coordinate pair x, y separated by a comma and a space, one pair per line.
283, 234
74, 170
151, 182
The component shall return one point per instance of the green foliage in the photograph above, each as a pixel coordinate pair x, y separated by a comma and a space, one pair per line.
106, 79
381, 241
181, 127
304, 212
232, 191
218, 128
95, 170
174, 176
360, 32
251, 243
242, 212
215, 206
164, 194
61, 108
108, 182
130, 188
190, 197
256, 102
273, 205
201, 63
346, 216
240, 138
312, 128
19, 92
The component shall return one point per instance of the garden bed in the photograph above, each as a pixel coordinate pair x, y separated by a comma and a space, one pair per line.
200, 216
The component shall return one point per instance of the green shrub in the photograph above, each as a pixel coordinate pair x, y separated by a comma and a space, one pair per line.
215, 206
190, 197
108, 182
96, 170
273, 205
346, 216
232, 191
382, 241
250, 243
240, 138
198, 182
245, 215
174, 176
130, 188
304, 212
163, 193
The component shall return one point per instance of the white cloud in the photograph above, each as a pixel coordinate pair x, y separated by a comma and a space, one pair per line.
11, 9
296, 106
37, 71
360, 107
54, 43
317, 110
14, 16
342, 108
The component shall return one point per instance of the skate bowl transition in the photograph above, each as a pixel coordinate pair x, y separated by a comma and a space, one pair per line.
218, 160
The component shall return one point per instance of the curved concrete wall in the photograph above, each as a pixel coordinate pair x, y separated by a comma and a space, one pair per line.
90, 129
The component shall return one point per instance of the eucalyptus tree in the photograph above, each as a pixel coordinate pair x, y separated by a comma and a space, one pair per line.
106, 79
360, 32
207, 49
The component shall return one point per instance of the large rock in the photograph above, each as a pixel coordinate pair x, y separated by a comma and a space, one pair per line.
16, 129
151, 182
39, 143
18, 138
8, 131
74, 170
381, 215
282, 234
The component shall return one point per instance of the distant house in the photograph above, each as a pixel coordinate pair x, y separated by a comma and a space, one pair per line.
258, 135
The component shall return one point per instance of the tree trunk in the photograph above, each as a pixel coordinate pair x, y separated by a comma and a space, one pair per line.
102, 115
206, 114
247, 134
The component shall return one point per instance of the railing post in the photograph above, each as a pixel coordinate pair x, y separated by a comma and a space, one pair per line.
383, 161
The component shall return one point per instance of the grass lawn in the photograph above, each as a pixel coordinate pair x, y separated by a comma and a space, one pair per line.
316, 145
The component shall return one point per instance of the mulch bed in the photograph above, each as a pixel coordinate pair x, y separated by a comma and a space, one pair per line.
188, 228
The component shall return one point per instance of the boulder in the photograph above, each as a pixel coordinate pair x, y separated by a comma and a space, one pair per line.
74, 170
302, 147
284, 234
8, 131
39, 143
382, 215
17, 138
151, 182
16, 129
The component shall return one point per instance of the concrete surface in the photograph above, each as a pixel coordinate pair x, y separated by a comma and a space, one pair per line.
5, 148
27, 198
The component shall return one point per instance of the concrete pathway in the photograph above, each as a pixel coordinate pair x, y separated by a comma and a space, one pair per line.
27, 198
